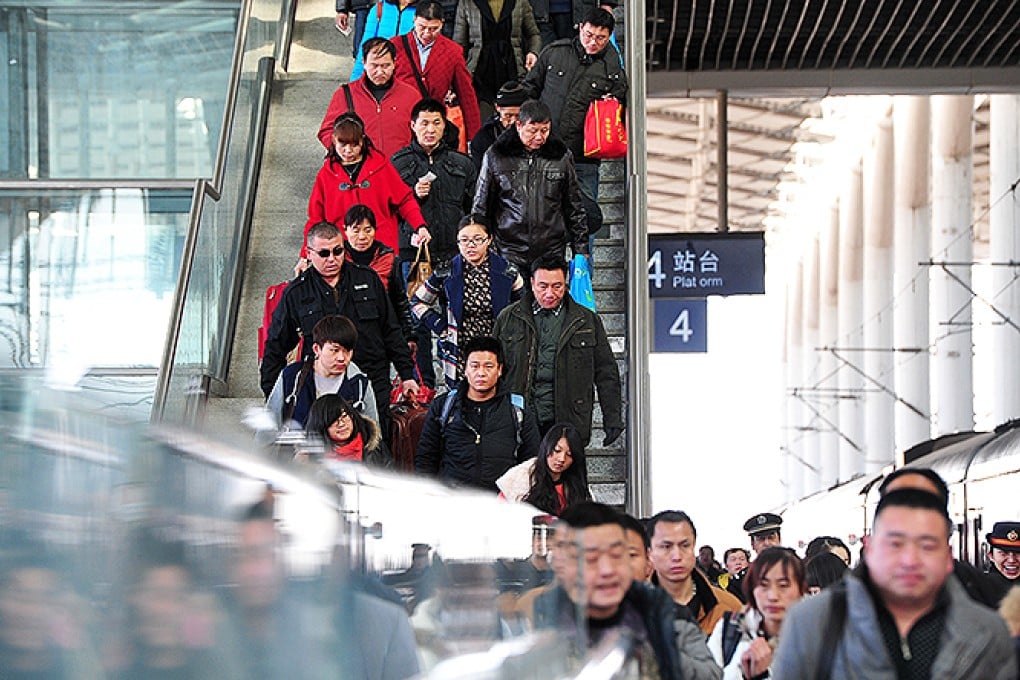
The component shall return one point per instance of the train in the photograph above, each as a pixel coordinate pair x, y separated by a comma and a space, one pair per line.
982, 470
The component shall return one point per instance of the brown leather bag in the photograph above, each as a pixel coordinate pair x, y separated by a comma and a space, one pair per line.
407, 419
421, 270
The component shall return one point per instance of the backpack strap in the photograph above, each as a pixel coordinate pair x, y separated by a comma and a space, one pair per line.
444, 415
348, 97
414, 66
290, 401
833, 631
517, 403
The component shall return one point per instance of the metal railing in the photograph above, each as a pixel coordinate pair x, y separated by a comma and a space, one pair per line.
209, 286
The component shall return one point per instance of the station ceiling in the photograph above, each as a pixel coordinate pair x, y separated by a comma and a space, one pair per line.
777, 59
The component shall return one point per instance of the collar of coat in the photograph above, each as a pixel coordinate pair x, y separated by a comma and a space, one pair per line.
509, 144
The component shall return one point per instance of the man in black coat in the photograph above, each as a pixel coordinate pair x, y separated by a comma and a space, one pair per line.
528, 189
569, 75
484, 431
331, 286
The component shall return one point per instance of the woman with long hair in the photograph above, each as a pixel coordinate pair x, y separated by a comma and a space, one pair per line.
554, 479
744, 643
353, 173
346, 433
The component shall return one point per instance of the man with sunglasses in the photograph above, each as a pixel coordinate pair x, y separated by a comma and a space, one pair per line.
329, 286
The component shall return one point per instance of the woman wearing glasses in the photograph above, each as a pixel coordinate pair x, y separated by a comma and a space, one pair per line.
346, 433
465, 303
353, 173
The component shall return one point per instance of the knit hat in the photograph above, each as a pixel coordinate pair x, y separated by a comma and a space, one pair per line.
511, 94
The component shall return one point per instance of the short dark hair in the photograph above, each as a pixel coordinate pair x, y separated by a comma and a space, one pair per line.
534, 111
927, 473
631, 523
917, 499
823, 544
483, 343
589, 514
322, 230
726, 555
335, 328
550, 262
793, 568
670, 517
824, 569
430, 9
357, 214
596, 16
428, 105
475, 220
378, 46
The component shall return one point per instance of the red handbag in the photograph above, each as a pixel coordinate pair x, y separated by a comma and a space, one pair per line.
605, 134
425, 393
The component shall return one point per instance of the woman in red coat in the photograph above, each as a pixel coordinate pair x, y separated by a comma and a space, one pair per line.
355, 173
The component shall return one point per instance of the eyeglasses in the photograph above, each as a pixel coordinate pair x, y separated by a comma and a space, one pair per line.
473, 241
595, 37
338, 251
344, 415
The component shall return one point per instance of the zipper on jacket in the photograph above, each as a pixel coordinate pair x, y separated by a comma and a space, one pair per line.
905, 649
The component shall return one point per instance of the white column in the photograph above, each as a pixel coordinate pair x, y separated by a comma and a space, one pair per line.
810, 367
912, 245
952, 241
878, 295
828, 334
1005, 247
795, 380
851, 318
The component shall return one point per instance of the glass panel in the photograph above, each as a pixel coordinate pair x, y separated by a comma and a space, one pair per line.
202, 342
114, 90
87, 279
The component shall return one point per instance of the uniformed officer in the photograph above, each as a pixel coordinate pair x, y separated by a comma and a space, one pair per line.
764, 530
1004, 555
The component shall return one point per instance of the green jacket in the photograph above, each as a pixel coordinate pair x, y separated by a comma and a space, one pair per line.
584, 360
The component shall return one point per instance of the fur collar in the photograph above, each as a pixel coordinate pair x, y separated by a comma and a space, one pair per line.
509, 144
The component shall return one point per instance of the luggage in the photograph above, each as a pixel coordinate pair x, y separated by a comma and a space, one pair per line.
273, 296
406, 422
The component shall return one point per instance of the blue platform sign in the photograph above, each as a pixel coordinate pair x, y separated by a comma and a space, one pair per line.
680, 326
699, 265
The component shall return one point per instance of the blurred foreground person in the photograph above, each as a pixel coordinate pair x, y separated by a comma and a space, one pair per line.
743, 643
43, 626
595, 573
1009, 609
172, 625
900, 614
285, 633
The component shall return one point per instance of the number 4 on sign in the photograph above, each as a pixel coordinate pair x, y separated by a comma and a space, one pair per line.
681, 327
655, 274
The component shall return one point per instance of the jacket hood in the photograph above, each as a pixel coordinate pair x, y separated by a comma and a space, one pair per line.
374, 435
509, 144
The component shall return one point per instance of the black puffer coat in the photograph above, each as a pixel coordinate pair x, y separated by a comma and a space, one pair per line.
532, 199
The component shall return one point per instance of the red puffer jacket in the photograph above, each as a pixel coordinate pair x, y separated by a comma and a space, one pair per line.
379, 187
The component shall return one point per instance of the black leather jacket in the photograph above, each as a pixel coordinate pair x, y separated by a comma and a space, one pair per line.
532, 199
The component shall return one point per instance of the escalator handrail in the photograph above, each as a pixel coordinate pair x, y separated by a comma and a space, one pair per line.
212, 189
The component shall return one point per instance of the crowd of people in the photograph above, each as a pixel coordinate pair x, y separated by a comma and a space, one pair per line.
491, 207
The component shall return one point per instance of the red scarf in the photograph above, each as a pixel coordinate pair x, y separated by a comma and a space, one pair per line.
350, 451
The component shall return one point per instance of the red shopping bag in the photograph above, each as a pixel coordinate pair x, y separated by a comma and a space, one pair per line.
605, 134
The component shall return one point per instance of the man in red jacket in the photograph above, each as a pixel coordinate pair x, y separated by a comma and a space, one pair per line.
382, 101
434, 64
